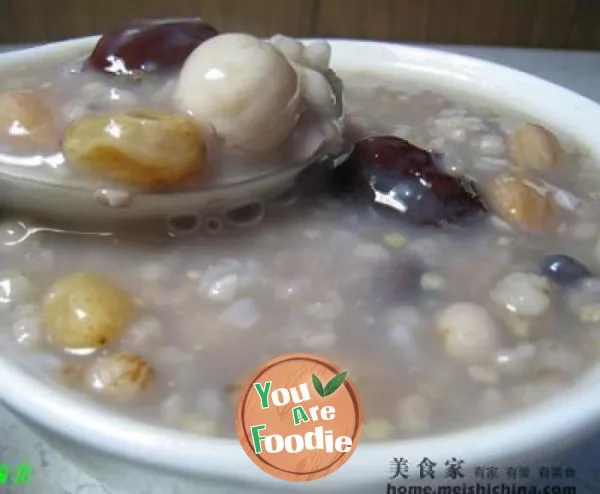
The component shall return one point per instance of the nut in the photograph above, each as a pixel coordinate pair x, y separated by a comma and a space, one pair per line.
533, 146
521, 203
120, 377
26, 121
470, 334
141, 148
85, 310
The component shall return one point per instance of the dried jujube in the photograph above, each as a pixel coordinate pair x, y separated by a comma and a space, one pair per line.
150, 45
394, 175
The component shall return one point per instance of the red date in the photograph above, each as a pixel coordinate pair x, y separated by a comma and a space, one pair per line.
150, 45
400, 179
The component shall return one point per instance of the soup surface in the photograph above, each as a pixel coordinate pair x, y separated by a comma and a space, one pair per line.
442, 324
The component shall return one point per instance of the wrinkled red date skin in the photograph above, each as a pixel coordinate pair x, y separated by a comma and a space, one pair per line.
150, 45
401, 179
394, 154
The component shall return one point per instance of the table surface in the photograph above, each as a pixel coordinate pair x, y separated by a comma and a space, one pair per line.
578, 71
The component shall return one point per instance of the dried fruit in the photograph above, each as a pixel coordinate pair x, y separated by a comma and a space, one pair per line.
150, 45
521, 203
142, 148
401, 179
85, 310
533, 146
434, 198
393, 154
119, 377
27, 121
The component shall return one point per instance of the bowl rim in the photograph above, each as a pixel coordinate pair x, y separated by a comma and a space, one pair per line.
522, 433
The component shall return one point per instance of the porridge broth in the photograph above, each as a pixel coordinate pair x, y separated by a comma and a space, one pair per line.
425, 319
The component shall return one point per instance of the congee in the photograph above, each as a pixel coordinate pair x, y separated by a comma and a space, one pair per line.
449, 264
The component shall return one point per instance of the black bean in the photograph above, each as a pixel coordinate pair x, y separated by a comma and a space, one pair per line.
563, 269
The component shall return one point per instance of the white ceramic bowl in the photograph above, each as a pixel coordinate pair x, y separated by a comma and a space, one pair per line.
140, 458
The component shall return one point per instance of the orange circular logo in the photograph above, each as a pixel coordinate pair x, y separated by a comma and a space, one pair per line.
299, 417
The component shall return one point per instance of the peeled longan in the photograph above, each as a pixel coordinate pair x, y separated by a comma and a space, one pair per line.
142, 148
85, 310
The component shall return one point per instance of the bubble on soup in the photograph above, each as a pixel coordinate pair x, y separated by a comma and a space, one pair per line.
119, 377
246, 216
213, 224
85, 310
184, 224
140, 148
